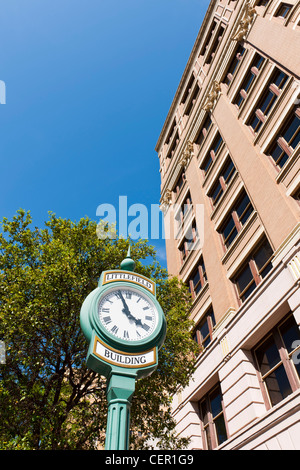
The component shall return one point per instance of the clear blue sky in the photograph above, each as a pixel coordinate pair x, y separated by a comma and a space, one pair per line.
88, 87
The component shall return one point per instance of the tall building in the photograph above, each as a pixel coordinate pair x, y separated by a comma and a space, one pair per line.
230, 190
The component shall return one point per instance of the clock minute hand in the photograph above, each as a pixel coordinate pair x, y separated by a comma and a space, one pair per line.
125, 309
128, 313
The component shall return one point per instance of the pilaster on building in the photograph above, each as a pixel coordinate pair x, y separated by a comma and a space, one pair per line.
230, 145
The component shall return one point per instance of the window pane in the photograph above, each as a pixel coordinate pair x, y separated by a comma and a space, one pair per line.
216, 193
244, 209
278, 385
196, 278
267, 355
216, 402
228, 171
290, 333
244, 278
296, 139
262, 255
204, 330
266, 101
280, 79
206, 164
221, 429
229, 232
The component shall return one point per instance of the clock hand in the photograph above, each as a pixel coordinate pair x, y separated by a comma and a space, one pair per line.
126, 309
128, 313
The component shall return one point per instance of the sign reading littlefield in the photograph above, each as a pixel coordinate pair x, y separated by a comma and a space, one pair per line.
112, 276
118, 358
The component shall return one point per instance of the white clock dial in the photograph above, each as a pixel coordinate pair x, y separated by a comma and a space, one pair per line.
127, 314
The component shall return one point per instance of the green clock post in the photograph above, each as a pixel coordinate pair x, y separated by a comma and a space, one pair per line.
125, 327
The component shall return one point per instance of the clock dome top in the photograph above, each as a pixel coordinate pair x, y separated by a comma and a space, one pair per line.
127, 264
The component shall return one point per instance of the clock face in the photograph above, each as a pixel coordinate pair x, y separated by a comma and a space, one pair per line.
127, 314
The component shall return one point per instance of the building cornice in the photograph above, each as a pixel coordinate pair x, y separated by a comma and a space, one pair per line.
186, 72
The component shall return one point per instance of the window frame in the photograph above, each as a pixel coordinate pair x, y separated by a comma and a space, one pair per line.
221, 181
256, 272
213, 152
235, 218
201, 270
279, 140
234, 64
258, 116
285, 360
210, 425
251, 75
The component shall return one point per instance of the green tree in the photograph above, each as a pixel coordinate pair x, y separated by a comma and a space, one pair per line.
48, 398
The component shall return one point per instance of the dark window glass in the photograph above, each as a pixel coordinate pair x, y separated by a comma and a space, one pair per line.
254, 270
274, 360
228, 171
283, 10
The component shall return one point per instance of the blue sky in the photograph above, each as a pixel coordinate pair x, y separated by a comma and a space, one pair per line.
88, 87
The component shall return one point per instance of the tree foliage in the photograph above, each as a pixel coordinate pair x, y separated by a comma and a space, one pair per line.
48, 398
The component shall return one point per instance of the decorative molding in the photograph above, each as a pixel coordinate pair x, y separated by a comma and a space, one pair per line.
245, 23
187, 154
212, 96
166, 201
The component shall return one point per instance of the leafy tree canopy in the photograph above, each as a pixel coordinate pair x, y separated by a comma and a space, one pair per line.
48, 398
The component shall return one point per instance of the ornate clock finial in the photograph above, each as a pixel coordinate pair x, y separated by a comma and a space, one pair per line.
127, 264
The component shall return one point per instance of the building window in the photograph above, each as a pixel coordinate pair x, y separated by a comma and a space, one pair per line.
283, 10
173, 146
233, 66
188, 89
250, 77
212, 153
190, 238
203, 131
204, 330
185, 207
279, 374
192, 100
212, 418
254, 269
208, 39
215, 45
286, 139
267, 100
238, 216
197, 279
262, 3
225, 176
179, 183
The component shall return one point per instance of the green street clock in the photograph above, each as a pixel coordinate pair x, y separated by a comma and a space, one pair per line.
125, 327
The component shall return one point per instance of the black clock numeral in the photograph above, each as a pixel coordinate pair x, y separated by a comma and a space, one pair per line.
128, 295
146, 327
146, 308
107, 320
105, 310
126, 335
114, 329
138, 300
148, 318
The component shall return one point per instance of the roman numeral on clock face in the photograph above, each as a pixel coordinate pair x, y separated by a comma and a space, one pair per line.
147, 317
107, 320
114, 329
